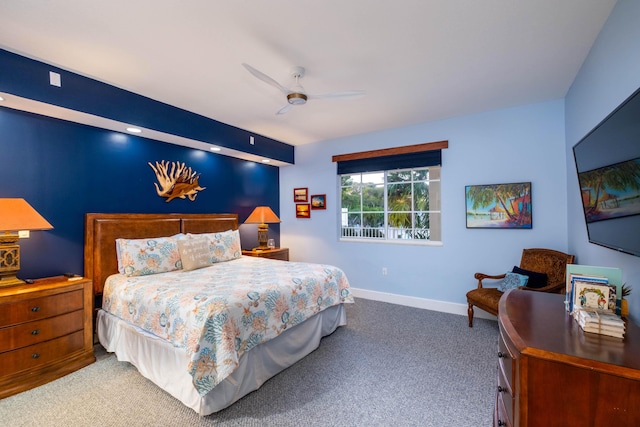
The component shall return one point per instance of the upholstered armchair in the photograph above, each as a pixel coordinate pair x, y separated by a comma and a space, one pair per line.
544, 268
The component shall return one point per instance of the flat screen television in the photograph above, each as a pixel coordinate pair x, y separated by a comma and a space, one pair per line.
608, 165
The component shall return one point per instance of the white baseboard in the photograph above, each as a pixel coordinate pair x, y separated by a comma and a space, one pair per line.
427, 304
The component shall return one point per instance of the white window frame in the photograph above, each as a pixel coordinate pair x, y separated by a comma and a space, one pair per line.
435, 221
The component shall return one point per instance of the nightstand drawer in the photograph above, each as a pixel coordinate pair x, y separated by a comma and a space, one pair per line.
45, 332
40, 354
14, 313
41, 330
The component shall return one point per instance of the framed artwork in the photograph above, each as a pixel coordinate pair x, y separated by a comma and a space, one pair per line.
300, 195
303, 210
499, 205
319, 201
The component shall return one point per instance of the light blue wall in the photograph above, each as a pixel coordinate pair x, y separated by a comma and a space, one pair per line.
609, 75
512, 145
529, 143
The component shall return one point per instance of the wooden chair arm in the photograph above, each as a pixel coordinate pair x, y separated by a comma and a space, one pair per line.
481, 276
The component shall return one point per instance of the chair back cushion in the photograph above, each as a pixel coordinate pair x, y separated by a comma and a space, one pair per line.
552, 263
535, 279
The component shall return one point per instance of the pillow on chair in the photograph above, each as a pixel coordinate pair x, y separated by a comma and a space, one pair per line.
513, 281
536, 280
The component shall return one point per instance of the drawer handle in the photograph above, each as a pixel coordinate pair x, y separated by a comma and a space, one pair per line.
502, 355
35, 332
35, 355
35, 309
501, 423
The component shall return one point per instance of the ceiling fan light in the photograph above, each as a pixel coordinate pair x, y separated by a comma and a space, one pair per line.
297, 98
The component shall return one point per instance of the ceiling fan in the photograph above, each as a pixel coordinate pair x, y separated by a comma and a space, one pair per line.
297, 95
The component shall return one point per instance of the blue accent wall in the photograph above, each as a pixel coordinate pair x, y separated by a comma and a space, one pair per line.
65, 170
29, 79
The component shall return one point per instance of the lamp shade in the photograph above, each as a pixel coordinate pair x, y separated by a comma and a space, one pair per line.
262, 215
17, 214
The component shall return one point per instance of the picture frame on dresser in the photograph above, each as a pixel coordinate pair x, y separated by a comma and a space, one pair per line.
612, 275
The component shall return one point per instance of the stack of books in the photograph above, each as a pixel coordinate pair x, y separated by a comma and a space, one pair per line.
600, 322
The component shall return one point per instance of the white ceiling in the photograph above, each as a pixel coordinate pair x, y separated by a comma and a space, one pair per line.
417, 60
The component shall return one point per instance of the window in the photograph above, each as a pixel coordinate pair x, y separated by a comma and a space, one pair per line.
392, 205
391, 194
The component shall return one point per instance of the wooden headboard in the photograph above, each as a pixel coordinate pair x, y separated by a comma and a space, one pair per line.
102, 230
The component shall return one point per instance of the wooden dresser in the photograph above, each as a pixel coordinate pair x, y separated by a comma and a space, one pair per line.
45, 332
552, 373
277, 253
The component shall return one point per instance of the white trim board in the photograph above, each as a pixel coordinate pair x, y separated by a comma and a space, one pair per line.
427, 304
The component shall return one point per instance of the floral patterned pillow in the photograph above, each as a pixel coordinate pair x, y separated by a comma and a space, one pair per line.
139, 257
512, 281
224, 246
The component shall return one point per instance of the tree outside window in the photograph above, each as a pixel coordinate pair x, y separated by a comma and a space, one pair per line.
391, 205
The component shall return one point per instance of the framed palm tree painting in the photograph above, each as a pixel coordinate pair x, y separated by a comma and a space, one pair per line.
499, 206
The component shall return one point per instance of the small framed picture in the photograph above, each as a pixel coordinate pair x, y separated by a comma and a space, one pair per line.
319, 201
303, 210
300, 195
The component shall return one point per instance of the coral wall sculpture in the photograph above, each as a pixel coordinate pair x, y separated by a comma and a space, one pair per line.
176, 180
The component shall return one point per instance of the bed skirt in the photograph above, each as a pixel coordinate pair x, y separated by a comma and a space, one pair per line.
166, 366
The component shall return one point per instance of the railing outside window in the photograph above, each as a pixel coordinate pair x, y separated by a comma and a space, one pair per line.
397, 205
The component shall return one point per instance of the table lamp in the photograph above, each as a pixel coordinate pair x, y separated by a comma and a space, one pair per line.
15, 215
262, 215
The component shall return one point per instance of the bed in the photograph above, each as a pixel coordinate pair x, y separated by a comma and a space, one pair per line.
210, 334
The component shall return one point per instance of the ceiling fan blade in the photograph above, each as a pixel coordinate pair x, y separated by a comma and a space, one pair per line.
266, 78
284, 109
343, 94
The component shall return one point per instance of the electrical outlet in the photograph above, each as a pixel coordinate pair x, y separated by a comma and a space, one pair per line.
384, 271
252, 140
23, 234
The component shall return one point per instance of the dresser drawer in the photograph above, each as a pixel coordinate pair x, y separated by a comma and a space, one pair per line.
17, 312
40, 354
500, 417
506, 384
26, 334
505, 362
505, 395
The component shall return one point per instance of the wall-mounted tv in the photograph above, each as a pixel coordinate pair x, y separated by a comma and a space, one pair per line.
608, 165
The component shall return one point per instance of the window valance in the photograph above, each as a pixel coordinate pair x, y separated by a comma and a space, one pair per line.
409, 156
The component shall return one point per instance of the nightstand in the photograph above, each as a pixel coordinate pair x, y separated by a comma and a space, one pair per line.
277, 253
45, 332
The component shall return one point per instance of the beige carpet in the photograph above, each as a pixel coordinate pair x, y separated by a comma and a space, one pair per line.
391, 365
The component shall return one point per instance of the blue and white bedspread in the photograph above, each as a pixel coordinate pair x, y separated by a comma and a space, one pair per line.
219, 312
